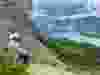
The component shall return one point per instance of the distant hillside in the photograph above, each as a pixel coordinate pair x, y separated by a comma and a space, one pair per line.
66, 43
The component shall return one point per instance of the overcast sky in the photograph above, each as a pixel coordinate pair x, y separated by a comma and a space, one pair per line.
60, 2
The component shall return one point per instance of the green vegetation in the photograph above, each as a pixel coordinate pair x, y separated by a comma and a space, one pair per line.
8, 64
17, 67
13, 69
66, 43
7, 56
91, 34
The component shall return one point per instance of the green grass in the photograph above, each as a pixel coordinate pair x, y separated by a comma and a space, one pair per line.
13, 67
62, 43
91, 34
66, 43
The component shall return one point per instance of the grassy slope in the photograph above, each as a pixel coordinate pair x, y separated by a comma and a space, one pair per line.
91, 34
65, 43
59, 43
